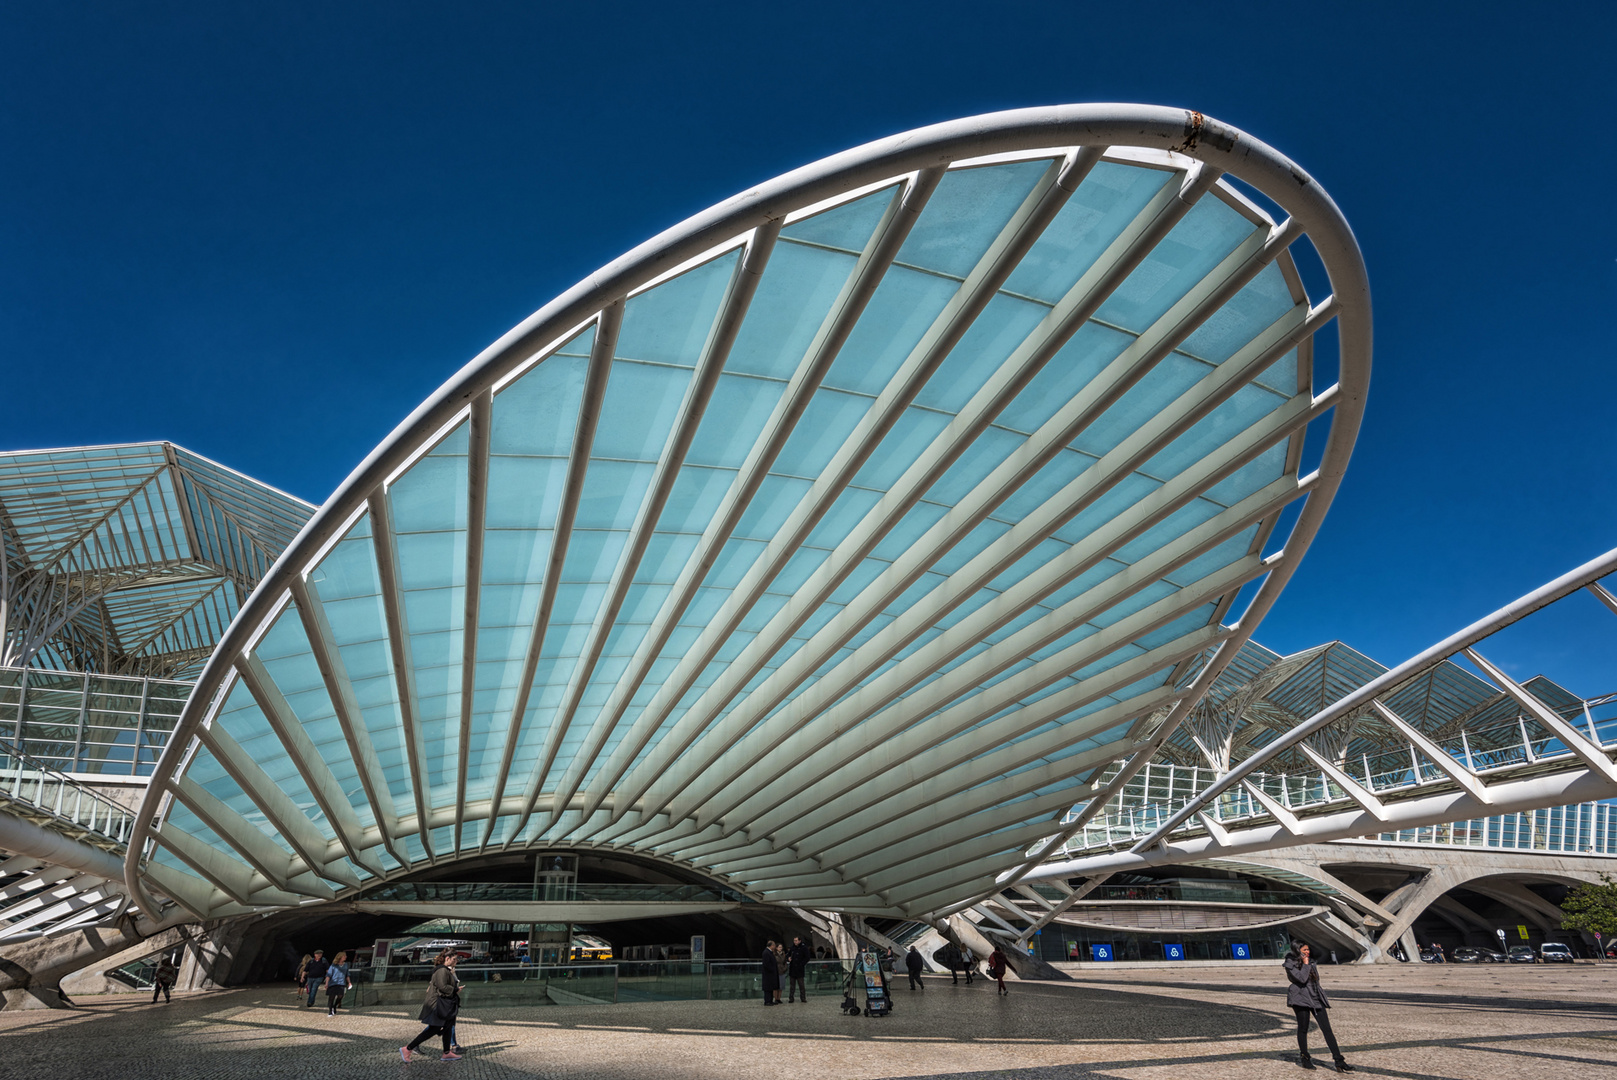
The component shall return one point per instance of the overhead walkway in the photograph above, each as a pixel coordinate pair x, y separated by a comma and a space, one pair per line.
1503, 749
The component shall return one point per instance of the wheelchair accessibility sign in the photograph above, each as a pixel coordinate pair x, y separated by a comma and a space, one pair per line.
1101, 952
1173, 952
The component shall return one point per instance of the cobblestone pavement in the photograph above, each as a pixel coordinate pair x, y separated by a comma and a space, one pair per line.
1524, 1023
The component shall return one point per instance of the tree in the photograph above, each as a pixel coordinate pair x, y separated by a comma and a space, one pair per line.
1592, 908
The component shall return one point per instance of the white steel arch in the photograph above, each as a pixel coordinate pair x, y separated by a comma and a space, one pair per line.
829, 543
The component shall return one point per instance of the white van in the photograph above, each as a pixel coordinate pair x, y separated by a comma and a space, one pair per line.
1553, 952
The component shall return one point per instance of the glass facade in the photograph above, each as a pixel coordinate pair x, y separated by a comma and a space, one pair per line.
75, 722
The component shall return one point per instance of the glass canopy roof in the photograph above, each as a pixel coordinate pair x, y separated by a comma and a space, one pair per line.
831, 551
131, 559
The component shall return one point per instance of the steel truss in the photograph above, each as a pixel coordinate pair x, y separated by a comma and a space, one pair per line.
1543, 756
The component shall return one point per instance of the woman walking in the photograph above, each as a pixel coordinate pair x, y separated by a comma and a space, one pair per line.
336, 983
996, 968
303, 973
1307, 999
439, 1009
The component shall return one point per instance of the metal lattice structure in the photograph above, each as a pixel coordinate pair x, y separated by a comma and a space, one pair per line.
1447, 738
828, 545
130, 559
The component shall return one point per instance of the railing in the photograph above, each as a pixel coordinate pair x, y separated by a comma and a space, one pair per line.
1160, 790
1201, 896
112, 725
553, 892
31, 790
590, 984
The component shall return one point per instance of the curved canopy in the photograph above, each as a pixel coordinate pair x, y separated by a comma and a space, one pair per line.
828, 544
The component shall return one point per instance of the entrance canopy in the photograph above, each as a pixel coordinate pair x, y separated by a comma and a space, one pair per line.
828, 544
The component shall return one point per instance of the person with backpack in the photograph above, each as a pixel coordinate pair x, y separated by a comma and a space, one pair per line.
163, 980
336, 983
915, 964
996, 968
438, 1010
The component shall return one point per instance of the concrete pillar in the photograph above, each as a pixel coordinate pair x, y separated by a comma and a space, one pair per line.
31, 972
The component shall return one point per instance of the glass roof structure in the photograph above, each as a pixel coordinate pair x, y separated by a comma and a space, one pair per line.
130, 559
828, 544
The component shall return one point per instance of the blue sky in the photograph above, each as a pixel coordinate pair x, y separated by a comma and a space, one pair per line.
266, 232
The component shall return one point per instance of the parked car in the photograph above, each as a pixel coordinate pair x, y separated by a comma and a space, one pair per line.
1469, 955
1428, 955
1494, 956
1553, 952
1523, 954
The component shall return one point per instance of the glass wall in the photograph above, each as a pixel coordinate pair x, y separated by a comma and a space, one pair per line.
85, 723
1059, 943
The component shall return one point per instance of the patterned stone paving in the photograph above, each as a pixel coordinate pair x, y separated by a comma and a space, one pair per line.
1525, 1023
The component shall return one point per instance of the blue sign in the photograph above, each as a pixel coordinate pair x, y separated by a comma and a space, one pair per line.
1241, 952
1173, 952
1101, 952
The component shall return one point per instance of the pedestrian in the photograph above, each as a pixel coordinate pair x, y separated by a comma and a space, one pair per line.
1437, 953
913, 961
438, 962
797, 958
302, 973
336, 983
996, 968
439, 1009
314, 975
968, 962
1307, 999
780, 966
164, 978
771, 973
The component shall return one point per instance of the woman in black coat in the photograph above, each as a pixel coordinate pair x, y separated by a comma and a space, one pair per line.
1307, 999
771, 974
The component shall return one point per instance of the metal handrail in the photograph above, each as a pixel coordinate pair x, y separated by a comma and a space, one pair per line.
58, 799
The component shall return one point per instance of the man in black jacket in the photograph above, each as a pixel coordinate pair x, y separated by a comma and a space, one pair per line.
797, 958
314, 974
915, 964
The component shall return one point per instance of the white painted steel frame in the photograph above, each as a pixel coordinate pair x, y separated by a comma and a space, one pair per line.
1585, 774
632, 805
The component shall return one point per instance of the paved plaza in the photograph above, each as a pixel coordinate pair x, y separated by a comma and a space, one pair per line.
1527, 1023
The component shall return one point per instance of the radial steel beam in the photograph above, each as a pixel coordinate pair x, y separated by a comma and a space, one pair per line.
608, 323
733, 309
878, 255
951, 324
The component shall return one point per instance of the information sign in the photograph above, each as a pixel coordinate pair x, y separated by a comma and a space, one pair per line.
1173, 952
1241, 952
1101, 952
1522, 930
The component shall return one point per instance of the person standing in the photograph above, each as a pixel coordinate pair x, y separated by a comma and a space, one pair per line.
913, 961
163, 979
314, 976
1307, 999
771, 973
967, 961
996, 968
336, 983
797, 958
439, 1009
302, 974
